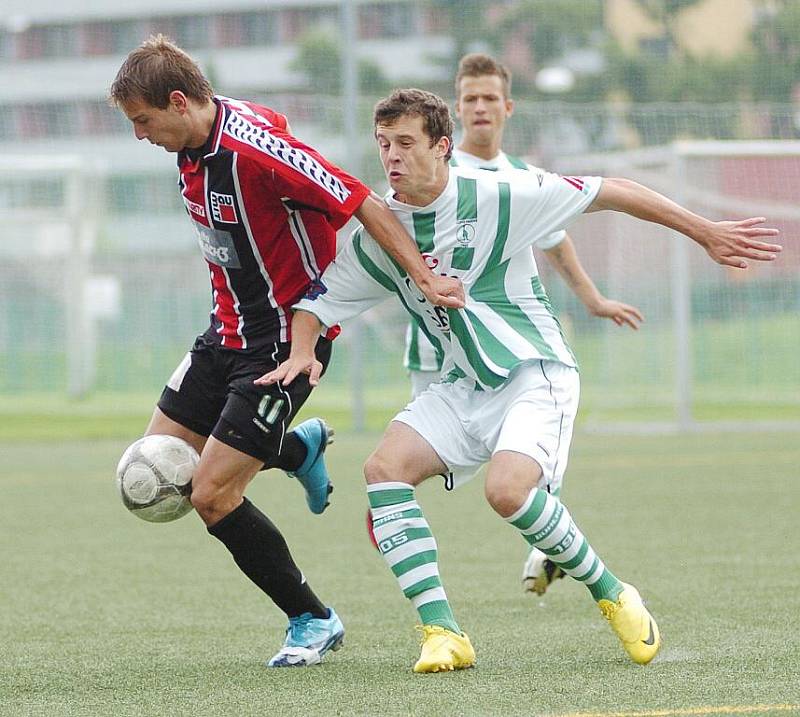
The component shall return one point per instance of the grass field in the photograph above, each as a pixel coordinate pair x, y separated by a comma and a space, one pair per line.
103, 614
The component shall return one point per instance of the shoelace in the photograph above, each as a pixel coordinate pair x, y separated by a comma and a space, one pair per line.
427, 630
299, 627
608, 608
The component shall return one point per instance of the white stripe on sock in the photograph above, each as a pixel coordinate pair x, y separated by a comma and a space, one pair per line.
432, 595
412, 577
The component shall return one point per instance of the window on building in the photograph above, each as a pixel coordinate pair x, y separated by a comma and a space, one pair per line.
128, 194
61, 40
193, 31
97, 118
7, 123
295, 22
228, 30
6, 45
167, 26
260, 28
127, 34
97, 38
385, 20
30, 43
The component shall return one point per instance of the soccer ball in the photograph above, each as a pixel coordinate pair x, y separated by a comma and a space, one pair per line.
154, 477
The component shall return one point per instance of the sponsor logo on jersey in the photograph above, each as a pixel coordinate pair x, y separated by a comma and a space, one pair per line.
431, 261
194, 207
217, 246
576, 182
465, 232
279, 149
223, 209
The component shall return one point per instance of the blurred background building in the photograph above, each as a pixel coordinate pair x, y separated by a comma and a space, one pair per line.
101, 288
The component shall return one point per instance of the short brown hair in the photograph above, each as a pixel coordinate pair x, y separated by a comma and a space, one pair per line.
155, 69
418, 103
477, 64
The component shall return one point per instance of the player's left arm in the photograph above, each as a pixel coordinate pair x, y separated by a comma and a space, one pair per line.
564, 258
729, 243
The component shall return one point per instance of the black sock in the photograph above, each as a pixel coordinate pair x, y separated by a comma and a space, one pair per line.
293, 453
261, 553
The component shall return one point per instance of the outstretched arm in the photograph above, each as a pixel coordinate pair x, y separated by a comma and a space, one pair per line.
565, 260
728, 243
386, 229
305, 332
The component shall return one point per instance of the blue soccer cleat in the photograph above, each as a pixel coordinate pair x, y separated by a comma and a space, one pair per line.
308, 639
312, 473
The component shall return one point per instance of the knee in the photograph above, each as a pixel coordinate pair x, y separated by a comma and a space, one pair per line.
505, 497
211, 503
379, 469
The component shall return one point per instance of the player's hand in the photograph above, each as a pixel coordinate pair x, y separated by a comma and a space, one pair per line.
444, 291
731, 242
621, 314
291, 369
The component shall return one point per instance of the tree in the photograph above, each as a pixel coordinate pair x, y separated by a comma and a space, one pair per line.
776, 60
666, 13
319, 58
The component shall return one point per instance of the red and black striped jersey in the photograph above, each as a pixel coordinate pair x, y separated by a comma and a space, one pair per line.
265, 208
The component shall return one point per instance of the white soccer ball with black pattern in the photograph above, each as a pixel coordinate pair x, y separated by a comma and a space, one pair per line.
154, 478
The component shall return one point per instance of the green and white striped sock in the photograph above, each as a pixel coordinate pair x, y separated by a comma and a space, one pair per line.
409, 549
546, 524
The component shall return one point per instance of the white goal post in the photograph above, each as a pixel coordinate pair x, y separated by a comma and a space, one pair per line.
51, 208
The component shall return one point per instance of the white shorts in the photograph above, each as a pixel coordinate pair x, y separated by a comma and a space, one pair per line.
533, 413
421, 380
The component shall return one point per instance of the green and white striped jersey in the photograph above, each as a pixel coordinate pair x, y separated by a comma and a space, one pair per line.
479, 229
420, 354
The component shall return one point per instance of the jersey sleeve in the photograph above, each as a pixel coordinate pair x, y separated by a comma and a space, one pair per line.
551, 240
304, 175
299, 173
545, 204
354, 281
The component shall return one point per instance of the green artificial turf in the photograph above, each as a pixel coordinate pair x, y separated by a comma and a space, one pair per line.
104, 614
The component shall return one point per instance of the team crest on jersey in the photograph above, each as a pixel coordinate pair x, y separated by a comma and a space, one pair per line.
223, 208
465, 232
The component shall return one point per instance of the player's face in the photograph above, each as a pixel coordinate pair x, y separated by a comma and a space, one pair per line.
483, 108
165, 128
410, 158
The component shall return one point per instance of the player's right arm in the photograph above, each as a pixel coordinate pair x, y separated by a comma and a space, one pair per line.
564, 258
384, 226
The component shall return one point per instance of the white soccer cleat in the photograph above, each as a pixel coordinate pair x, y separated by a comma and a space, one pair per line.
538, 572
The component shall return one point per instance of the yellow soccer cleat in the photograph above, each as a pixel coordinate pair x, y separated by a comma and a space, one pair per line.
633, 624
443, 650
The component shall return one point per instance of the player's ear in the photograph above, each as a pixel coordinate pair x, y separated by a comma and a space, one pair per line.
178, 100
509, 107
442, 147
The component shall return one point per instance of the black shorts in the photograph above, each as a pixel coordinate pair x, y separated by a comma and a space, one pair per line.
212, 393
